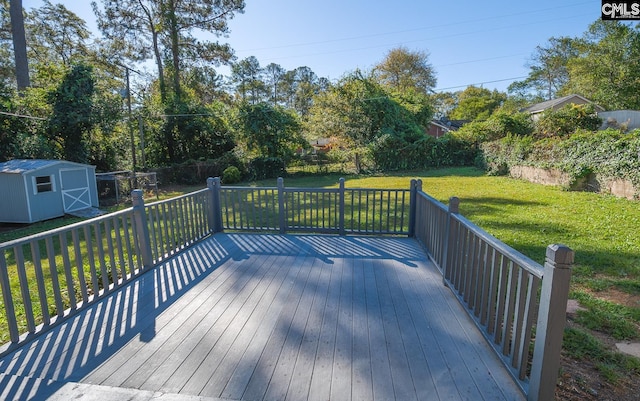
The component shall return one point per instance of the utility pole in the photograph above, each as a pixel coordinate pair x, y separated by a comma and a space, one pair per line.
133, 143
129, 122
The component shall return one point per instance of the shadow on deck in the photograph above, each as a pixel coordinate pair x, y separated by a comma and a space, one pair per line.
258, 317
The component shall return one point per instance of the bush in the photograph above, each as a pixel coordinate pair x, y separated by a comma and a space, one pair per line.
231, 175
195, 172
261, 168
391, 152
567, 120
495, 127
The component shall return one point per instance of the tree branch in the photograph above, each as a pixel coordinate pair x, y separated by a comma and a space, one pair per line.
204, 22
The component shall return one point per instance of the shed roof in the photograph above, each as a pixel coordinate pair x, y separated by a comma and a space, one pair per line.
20, 166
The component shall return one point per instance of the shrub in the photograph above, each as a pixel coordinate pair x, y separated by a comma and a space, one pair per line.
267, 167
196, 172
392, 152
495, 127
231, 175
567, 120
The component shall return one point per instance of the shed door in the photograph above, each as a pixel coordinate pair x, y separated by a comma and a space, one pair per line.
75, 189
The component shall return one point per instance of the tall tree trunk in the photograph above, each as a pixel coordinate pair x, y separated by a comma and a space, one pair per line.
19, 44
158, 55
175, 49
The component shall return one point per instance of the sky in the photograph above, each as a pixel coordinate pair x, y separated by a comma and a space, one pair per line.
469, 42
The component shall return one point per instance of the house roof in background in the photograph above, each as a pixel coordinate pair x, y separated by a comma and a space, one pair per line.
542, 106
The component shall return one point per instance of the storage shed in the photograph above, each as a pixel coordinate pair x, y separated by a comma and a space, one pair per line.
36, 190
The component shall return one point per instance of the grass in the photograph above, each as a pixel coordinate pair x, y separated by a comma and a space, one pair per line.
581, 345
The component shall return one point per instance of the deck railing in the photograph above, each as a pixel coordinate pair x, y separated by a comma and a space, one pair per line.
47, 277
320, 210
509, 296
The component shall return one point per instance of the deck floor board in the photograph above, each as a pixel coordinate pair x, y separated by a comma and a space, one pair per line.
268, 317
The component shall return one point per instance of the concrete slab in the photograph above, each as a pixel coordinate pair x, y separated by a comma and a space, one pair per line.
573, 306
632, 349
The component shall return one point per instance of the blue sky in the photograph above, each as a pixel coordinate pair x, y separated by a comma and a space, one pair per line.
485, 43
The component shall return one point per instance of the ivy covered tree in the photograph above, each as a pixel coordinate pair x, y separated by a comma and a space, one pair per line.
567, 120
71, 121
358, 111
269, 131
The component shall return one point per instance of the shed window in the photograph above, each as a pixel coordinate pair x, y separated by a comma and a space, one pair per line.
43, 184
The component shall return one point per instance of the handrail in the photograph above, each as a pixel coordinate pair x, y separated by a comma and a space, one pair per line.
521, 259
61, 271
510, 297
53, 231
320, 210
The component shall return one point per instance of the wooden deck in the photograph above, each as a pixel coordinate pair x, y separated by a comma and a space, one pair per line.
268, 317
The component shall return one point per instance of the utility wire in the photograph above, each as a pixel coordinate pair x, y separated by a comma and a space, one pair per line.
23, 116
499, 17
479, 83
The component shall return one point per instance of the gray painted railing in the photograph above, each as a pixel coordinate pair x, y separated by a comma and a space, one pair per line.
47, 277
509, 296
320, 210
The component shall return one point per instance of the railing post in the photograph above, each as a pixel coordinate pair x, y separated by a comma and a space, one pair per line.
215, 211
142, 229
552, 318
282, 221
412, 205
454, 208
341, 192
9, 308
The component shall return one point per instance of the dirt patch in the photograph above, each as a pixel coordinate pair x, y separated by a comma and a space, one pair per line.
581, 381
616, 296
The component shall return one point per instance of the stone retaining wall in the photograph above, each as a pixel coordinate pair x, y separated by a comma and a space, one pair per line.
593, 183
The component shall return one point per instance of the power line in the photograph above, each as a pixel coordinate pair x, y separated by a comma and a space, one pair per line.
480, 83
392, 45
500, 17
23, 116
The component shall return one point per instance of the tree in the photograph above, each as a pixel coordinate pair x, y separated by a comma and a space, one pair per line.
19, 44
274, 74
403, 69
7, 69
357, 111
72, 121
548, 69
168, 28
444, 103
246, 74
607, 70
57, 35
206, 83
269, 131
477, 103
